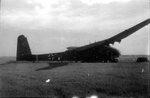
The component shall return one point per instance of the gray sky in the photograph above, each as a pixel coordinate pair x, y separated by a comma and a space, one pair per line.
53, 25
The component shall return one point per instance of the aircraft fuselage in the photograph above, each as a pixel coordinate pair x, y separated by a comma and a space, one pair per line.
97, 54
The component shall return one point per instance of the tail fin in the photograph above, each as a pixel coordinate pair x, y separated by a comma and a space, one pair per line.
23, 49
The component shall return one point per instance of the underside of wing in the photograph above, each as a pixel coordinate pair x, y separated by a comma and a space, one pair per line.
124, 34
116, 38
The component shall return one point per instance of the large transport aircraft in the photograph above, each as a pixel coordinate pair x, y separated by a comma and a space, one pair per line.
100, 51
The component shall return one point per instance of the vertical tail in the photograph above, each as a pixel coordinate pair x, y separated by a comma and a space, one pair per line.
23, 49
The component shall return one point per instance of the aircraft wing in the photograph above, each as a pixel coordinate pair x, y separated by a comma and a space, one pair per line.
116, 38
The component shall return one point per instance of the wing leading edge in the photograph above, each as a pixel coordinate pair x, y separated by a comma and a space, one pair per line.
116, 38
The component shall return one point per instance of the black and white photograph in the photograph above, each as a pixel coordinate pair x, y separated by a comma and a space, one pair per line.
74, 48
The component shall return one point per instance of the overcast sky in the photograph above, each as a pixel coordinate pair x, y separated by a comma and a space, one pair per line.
53, 25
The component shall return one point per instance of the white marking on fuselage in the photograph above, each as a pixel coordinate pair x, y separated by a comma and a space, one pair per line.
75, 97
92, 96
48, 80
142, 70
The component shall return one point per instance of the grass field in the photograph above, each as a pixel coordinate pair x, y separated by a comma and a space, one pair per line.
121, 80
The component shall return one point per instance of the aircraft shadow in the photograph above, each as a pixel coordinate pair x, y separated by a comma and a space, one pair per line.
53, 65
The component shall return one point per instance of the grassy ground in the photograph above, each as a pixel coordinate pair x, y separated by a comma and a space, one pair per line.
112, 80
